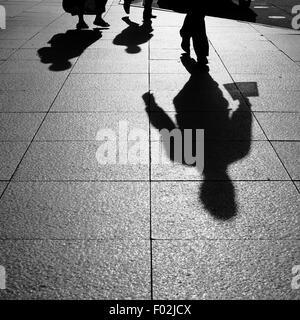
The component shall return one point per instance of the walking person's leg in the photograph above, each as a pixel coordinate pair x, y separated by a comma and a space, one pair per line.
126, 6
200, 40
186, 33
100, 8
81, 23
148, 9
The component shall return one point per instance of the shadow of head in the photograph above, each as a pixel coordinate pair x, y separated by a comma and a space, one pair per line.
134, 35
66, 46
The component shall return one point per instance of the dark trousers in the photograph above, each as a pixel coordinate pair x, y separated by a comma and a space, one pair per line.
194, 28
148, 6
100, 6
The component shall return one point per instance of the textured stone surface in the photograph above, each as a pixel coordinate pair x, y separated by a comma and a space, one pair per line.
101, 100
225, 210
77, 161
252, 160
75, 211
10, 156
19, 127
2, 186
74, 228
280, 126
85, 126
289, 154
210, 269
76, 269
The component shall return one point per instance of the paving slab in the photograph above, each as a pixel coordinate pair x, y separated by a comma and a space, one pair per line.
280, 126
225, 210
19, 127
75, 210
26, 101
85, 126
107, 82
226, 160
201, 82
239, 46
11, 44
217, 126
3, 185
32, 82
297, 184
265, 62
110, 67
31, 67
176, 67
276, 101
5, 53
99, 101
289, 44
289, 154
76, 269
10, 156
239, 269
19, 32
82, 160
25, 54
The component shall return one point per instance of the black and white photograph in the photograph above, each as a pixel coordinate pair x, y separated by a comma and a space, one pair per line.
149, 151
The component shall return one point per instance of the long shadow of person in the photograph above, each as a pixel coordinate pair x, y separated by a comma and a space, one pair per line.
66, 46
134, 35
201, 105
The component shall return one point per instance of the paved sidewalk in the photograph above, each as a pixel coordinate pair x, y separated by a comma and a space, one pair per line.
71, 228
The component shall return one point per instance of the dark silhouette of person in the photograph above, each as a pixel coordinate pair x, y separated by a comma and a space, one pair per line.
100, 9
194, 29
147, 14
65, 46
134, 35
201, 105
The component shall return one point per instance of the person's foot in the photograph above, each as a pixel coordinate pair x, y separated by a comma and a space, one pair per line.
149, 16
126, 6
100, 22
82, 25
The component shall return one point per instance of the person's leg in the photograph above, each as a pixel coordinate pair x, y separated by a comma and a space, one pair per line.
148, 9
200, 40
186, 33
81, 23
126, 6
100, 8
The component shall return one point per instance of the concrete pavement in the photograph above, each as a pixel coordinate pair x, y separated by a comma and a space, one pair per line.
72, 228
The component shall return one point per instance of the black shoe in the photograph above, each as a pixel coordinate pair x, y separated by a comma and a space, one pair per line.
149, 16
126, 6
100, 22
82, 25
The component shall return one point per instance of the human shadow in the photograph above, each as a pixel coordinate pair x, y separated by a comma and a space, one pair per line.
66, 46
134, 35
227, 133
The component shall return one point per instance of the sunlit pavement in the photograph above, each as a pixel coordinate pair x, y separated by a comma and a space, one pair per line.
73, 228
